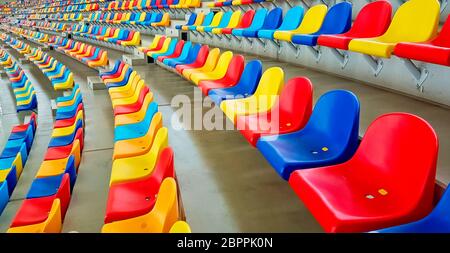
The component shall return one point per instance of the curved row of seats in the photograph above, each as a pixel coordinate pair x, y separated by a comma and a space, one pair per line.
45, 25
70, 8
151, 4
143, 192
28, 23
14, 157
63, 17
408, 34
155, 19
314, 148
35, 36
225, 3
48, 198
113, 35
59, 75
23, 89
88, 54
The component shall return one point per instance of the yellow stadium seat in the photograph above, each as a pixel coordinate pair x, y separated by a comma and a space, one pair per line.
134, 117
141, 145
52, 224
218, 72
311, 23
235, 19
132, 168
267, 92
159, 220
180, 227
132, 99
414, 21
57, 167
155, 42
215, 21
209, 65
127, 90
135, 41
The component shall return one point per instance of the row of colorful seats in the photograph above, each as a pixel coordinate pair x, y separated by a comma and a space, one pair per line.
14, 157
412, 33
59, 75
151, 4
70, 8
28, 23
154, 19
23, 89
66, 3
315, 148
35, 36
224, 3
113, 35
91, 55
48, 198
51, 26
65, 17
143, 192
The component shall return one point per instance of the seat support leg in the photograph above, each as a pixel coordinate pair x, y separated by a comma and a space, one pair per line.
444, 4
229, 37
209, 35
420, 74
341, 56
317, 52
375, 63
289, 4
306, 4
237, 38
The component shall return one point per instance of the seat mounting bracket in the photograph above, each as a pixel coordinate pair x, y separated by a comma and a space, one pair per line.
420, 74
375, 63
342, 56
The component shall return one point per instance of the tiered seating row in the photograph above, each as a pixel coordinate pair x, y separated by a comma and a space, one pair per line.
45, 25
113, 35
143, 192
225, 3
155, 19
48, 198
23, 89
151, 4
59, 75
318, 150
88, 54
14, 157
373, 32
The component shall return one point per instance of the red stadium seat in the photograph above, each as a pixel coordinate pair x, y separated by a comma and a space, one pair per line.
436, 51
372, 21
389, 181
200, 61
290, 113
231, 77
135, 198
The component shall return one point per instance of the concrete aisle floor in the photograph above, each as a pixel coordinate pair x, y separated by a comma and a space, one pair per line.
226, 185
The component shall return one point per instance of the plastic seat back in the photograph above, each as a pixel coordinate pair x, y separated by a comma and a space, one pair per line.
273, 19
414, 21
392, 145
258, 19
208, 19
443, 39
217, 18
292, 19
336, 116
338, 19
271, 82
313, 19
373, 20
295, 101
